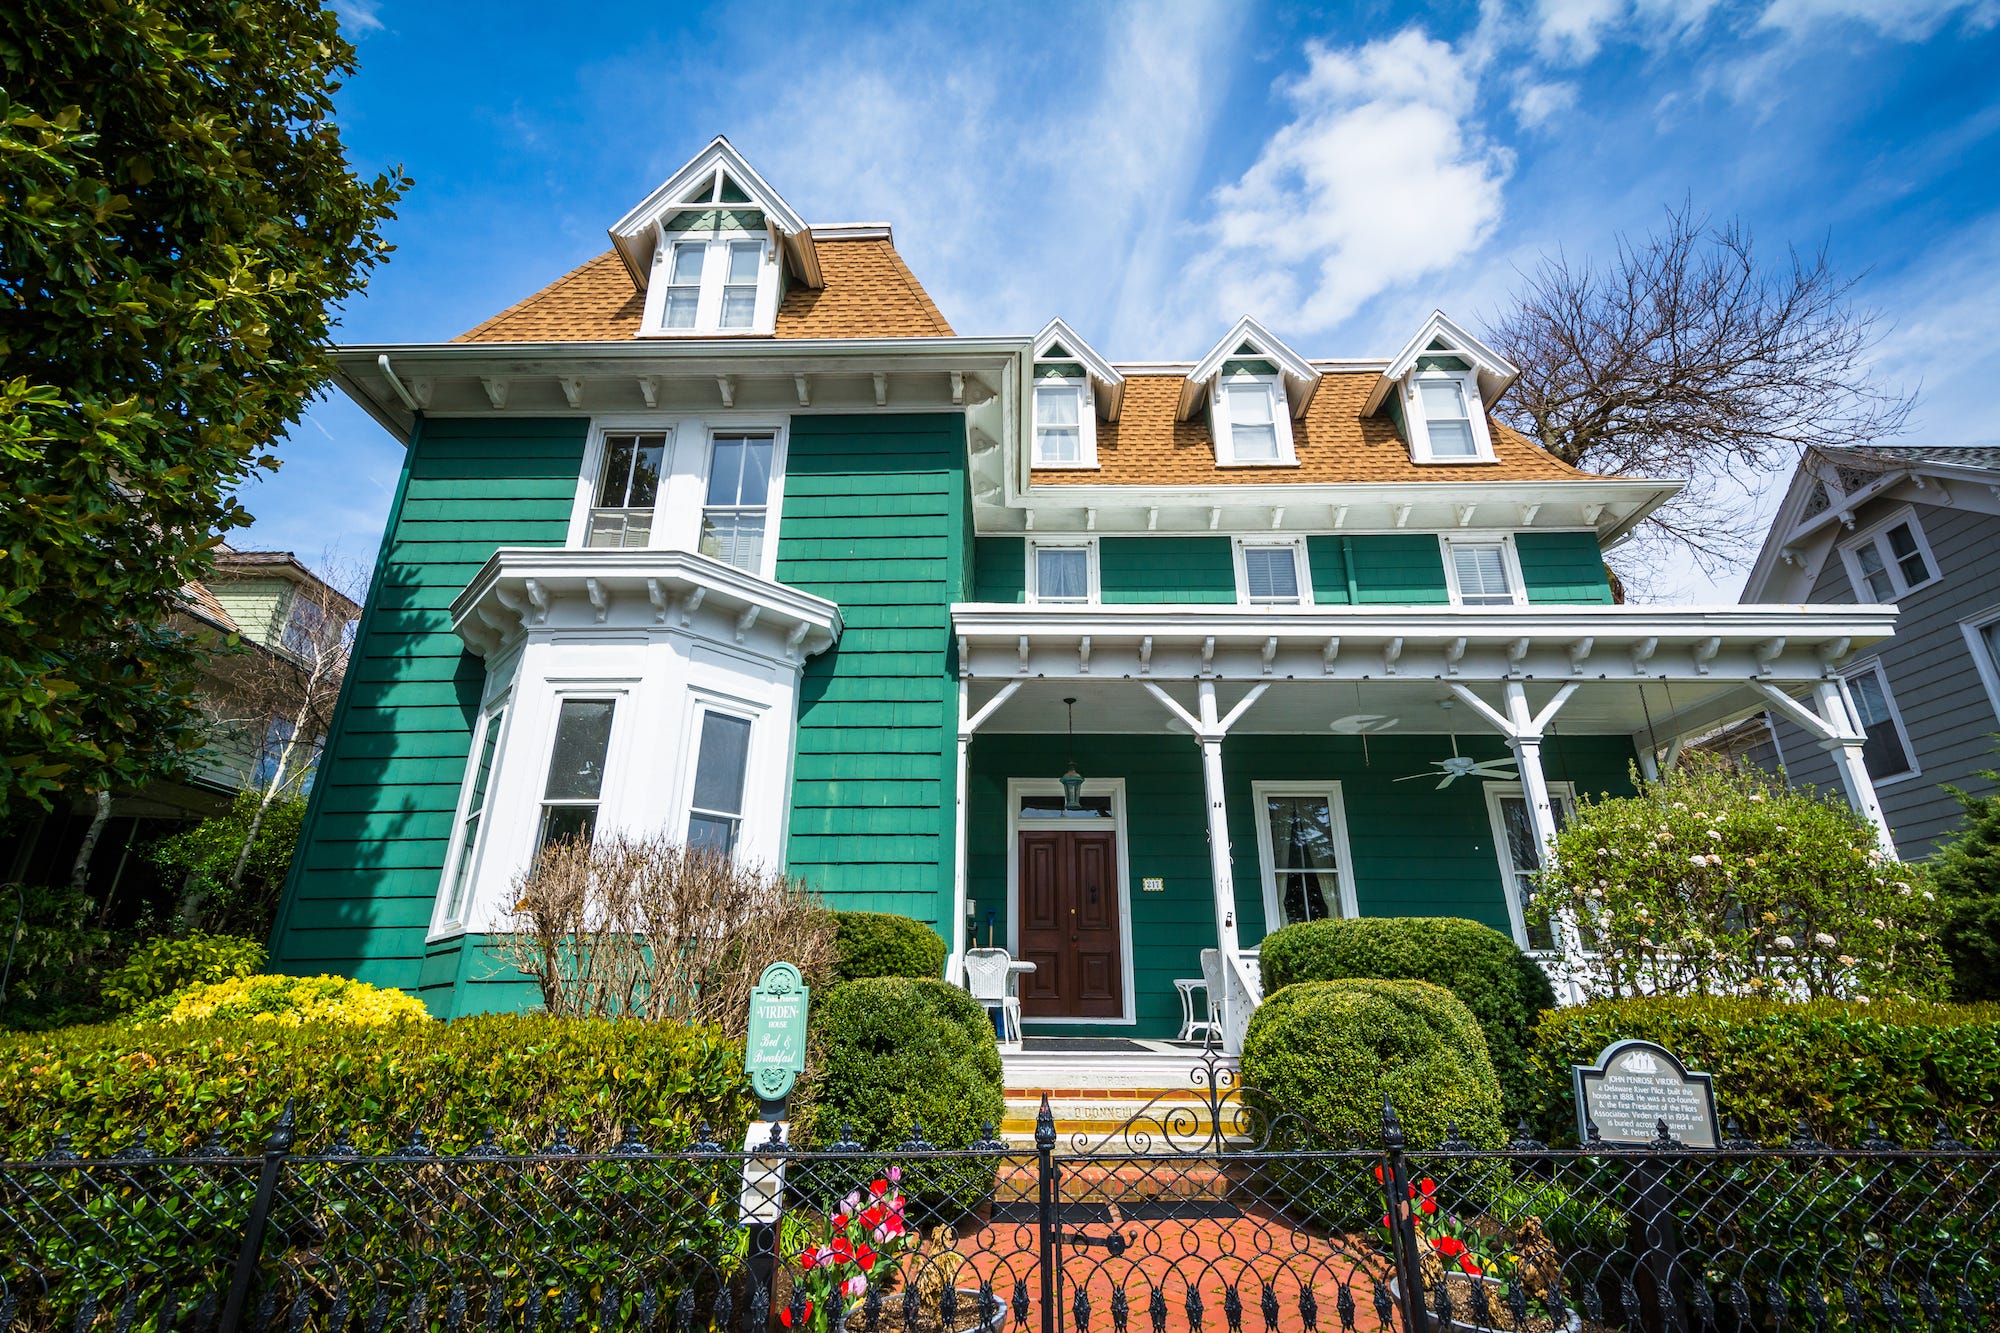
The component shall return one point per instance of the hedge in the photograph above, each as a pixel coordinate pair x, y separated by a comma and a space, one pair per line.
1837, 1064
1503, 987
882, 944
523, 1075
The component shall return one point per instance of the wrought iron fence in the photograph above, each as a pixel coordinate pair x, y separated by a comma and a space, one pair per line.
1195, 1217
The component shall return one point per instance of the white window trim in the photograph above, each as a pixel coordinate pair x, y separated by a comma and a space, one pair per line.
1419, 426
1873, 665
1559, 792
443, 923
1974, 628
1115, 789
1877, 533
1237, 546
760, 793
714, 272
593, 463
1267, 854
1510, 558
779, 429
1086, 426
1281, 419
1087, 544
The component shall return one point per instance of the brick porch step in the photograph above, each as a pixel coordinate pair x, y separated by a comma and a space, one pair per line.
1114, 1120
1110, 1180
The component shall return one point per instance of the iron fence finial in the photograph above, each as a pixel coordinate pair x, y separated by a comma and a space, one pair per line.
285, 1132
1392, 1128
1045, 1126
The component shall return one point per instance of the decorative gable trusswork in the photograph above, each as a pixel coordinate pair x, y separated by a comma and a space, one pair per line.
1254, 386
1438, 390
1074, 387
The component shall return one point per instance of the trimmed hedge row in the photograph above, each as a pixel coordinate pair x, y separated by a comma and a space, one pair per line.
1839, 1065
882, 944
524, 1075
1503, 987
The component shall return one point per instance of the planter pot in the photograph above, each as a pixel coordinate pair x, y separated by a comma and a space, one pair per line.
967, 1320
1461, 1301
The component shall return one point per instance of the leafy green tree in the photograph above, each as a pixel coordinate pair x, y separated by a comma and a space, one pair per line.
177, 214
231, 868
1966, 871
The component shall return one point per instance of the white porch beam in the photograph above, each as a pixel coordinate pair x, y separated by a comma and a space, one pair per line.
1526, 743
968, 723
1840, 735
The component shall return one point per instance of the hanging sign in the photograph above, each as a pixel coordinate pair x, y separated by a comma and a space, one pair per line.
775, 1054
1635, 1085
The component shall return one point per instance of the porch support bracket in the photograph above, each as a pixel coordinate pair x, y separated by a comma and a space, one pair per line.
1840, 735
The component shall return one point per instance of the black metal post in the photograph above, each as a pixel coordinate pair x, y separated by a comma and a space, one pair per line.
277, 1149
1402, 1226
1045, 1149
1659, 1230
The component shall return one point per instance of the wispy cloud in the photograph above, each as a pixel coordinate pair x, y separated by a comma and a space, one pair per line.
359, 16
1904, 20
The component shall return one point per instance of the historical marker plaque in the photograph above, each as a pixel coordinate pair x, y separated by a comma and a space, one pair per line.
1633, 1086
775, 1054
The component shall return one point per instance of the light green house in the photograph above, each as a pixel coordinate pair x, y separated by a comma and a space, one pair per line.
727, 533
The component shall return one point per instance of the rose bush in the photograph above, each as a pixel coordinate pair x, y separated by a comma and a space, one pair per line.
1719, 880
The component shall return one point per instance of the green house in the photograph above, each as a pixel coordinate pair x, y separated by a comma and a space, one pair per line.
727, 533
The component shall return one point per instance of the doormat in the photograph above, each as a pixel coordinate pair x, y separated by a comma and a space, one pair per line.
1083, 1046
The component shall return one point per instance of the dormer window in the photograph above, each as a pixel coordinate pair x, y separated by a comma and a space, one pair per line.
1252, 427
716, 279
1059, 423
1072, 386
1437, 390
1255, 387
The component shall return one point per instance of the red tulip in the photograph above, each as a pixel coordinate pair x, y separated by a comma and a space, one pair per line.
785, 1315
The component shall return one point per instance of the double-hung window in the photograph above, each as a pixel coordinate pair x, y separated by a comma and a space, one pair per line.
1481, 573
1521, 854
1447, 419
1062, 571
1302, 841
1887, 752
1982, 640
1059, 423
1252, 426
575, 785
722, 761
1890, 560
683, 301
457, 898
739, 495
1269, 573
628, 484
714, 284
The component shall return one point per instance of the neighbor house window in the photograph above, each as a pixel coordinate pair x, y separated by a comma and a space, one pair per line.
1521, 854
277, 733
628, 483
1481, 573
715, 816
1059, 423
1302, 842
1269, 573
1889, 560
307, 627
1062, 571
576, 770
1982, 640
739, 491
1447, 420
1887, 751
468, 828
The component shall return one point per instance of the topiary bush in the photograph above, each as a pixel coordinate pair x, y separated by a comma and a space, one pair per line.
882, 944
287, 1001
1838, 1065
1966, 875
895, 1053
1503, 987
166, 964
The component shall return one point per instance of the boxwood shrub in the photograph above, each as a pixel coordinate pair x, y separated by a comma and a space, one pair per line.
1502, 986
891, 1053
1837, 1064
882, 944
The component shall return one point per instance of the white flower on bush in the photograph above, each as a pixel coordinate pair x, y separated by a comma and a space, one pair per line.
1824, 939
1604, 851
1785, 942
1716, 834
1756, 795
1929, 897
1879, 924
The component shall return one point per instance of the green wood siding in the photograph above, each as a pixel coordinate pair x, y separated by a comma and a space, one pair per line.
1562, 567
1000, 569
256, 605
1166, 570
359, 896
1398, 569
875, 518
1328, 571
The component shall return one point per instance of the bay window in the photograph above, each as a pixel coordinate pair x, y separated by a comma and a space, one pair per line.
575, 785
715, 811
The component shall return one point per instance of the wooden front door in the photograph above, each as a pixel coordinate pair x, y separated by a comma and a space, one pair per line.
1069, 924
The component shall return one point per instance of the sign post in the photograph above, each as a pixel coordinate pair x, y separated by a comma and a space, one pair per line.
774, 1055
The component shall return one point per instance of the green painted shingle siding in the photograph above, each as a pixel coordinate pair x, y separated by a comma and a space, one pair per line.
875, 519
1562, 567
1398, 569
1000, 570
1145, 570
359, 897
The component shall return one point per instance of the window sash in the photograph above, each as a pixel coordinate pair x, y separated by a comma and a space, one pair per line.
1883, 753
1522, 856
1447, 418
1305, 860
575, 784
739, 291
722, 765
684, 284
739, 490
1481, 570
1253, 429
1062, 574
475, 812
1909, 556
1271, 573
1058, 423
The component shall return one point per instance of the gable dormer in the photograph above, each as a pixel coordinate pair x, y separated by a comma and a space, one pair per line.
1074, 387
714, 248
1438, 391
1254, 387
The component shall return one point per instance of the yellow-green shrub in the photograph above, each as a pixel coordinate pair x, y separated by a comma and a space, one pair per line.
167, 964
289, 1001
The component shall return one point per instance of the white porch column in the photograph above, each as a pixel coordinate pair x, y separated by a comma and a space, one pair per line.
1846, 751
968, 723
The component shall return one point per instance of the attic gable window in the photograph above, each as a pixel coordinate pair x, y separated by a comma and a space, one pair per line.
1437, 390
1252, 426
1065, 428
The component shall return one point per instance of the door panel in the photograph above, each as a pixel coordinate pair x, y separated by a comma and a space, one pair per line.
1043, 936
1068, 904
1094, 937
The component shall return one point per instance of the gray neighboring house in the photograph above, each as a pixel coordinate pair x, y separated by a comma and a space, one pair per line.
1917, 526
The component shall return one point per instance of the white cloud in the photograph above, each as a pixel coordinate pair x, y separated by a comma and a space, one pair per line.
1904, 20
359, 16
1535, 104
1382, 176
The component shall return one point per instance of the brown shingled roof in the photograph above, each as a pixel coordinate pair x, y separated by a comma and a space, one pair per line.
868, 292
1146, 446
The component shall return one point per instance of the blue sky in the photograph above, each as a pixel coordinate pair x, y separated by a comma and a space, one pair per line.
1151, 171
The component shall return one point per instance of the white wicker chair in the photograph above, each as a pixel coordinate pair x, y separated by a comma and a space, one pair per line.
1213, 982
989, 977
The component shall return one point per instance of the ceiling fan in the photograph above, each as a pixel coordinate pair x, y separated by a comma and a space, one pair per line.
1459, 766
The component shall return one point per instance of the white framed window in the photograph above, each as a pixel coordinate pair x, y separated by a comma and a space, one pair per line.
1889, 559
457, 898
1302, 849
1065, 424
1887, 754
721, 770
1447, 419
627, 489
1062, 571
574, 788
1982, 640
734, 516
1483, 570
712, 282
1252, 421
1521, 854
1272, 572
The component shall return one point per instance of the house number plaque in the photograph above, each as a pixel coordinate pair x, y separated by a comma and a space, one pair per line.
775, 1054
1633, 1086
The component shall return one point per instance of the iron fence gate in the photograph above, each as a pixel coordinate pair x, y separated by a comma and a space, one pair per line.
1198, 1215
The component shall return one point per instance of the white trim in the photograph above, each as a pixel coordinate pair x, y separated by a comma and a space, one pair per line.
1088, 545
1498, 371
759, 792
1300, 569
1876, 534
1095, 367
1559, 792
774, 491
1115, 789
443, 923
639, 228
1301, 377
1267, 855
1974, 628
1873, 665
1086, 423
1221, 429
1418, 425
1510, 560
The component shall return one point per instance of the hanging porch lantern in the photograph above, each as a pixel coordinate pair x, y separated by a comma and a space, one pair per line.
1072, 781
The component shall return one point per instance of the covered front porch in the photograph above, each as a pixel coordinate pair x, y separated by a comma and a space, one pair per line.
1233, 783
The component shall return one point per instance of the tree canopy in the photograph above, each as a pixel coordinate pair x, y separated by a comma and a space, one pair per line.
177, 218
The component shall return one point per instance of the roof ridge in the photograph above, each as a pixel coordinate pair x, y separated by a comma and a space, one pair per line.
916, 290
